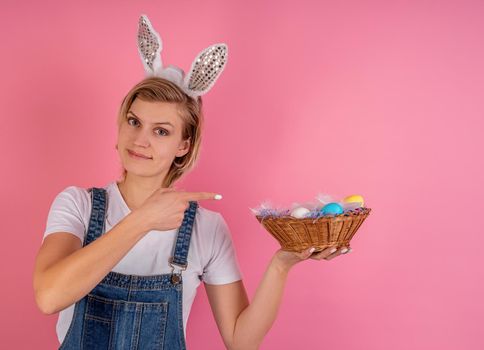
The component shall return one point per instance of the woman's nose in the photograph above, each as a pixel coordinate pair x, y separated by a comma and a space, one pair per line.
142, 139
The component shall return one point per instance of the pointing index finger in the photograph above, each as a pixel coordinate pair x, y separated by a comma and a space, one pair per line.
202, 195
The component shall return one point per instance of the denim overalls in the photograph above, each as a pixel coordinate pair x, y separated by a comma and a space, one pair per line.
131, 311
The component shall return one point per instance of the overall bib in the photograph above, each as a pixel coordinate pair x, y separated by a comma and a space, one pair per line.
131, 311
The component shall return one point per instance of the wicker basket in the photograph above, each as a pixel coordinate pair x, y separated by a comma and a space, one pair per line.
297, 235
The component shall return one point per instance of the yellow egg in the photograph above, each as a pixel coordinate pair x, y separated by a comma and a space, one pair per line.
354, 198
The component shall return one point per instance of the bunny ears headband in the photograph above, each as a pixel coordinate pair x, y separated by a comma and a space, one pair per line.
205, 70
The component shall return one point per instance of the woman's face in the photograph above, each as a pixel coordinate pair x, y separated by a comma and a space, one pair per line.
153, 130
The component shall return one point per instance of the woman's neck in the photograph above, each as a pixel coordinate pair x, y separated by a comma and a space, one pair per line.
136, 192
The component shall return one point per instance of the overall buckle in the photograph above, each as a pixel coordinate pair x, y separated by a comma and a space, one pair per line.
176, 277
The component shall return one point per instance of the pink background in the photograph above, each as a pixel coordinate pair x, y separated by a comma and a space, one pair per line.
382, 98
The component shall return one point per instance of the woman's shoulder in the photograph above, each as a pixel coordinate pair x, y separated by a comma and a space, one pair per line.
213, 223
208, 217
74, 191
81, 191
69, 211
74, 195
205, 211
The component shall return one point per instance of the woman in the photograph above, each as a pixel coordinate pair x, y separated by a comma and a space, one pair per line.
122, 263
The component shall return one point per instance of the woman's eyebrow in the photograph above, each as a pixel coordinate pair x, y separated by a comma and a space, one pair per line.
153, 123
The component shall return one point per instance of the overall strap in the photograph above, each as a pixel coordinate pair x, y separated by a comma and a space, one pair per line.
98, 214
183, 238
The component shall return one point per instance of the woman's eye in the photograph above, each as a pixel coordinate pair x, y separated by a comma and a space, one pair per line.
159, 129
129, 119
162, 130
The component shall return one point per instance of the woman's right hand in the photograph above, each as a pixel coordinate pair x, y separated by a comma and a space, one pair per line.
165, 209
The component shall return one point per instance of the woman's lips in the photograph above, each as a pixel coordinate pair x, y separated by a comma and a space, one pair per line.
137, 155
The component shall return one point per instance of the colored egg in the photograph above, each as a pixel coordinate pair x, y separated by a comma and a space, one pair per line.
351, 206
300, 212
332, 208
355, 198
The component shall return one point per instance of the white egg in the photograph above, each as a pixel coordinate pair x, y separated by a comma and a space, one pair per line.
300, 212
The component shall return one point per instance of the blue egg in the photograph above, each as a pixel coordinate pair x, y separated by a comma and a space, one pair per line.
332, 208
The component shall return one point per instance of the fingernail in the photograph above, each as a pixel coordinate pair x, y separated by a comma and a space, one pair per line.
344, 250
218, 196
333, 250
312, 249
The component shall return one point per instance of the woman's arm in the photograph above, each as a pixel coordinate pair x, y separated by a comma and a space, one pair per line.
256, 320
65, 272
242, 325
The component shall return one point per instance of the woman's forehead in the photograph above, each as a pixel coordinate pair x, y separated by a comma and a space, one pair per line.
155, 112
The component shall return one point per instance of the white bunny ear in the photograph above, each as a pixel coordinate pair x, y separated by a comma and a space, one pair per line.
149, 46
206, 69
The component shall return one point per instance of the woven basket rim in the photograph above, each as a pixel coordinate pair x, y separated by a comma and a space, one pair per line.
332, 217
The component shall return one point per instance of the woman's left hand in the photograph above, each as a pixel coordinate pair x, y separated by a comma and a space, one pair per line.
287, 259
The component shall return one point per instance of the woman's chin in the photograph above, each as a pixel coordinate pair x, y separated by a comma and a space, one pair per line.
142, 171
137, 170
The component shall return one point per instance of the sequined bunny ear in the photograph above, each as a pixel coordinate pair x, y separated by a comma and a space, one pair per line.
206, 69
149, 46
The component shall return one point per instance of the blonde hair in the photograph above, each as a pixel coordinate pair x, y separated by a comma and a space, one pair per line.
155, 89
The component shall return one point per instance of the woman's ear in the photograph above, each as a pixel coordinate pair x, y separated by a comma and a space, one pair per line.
184, 148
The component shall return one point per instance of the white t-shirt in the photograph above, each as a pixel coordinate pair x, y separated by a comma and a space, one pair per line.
211, 256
